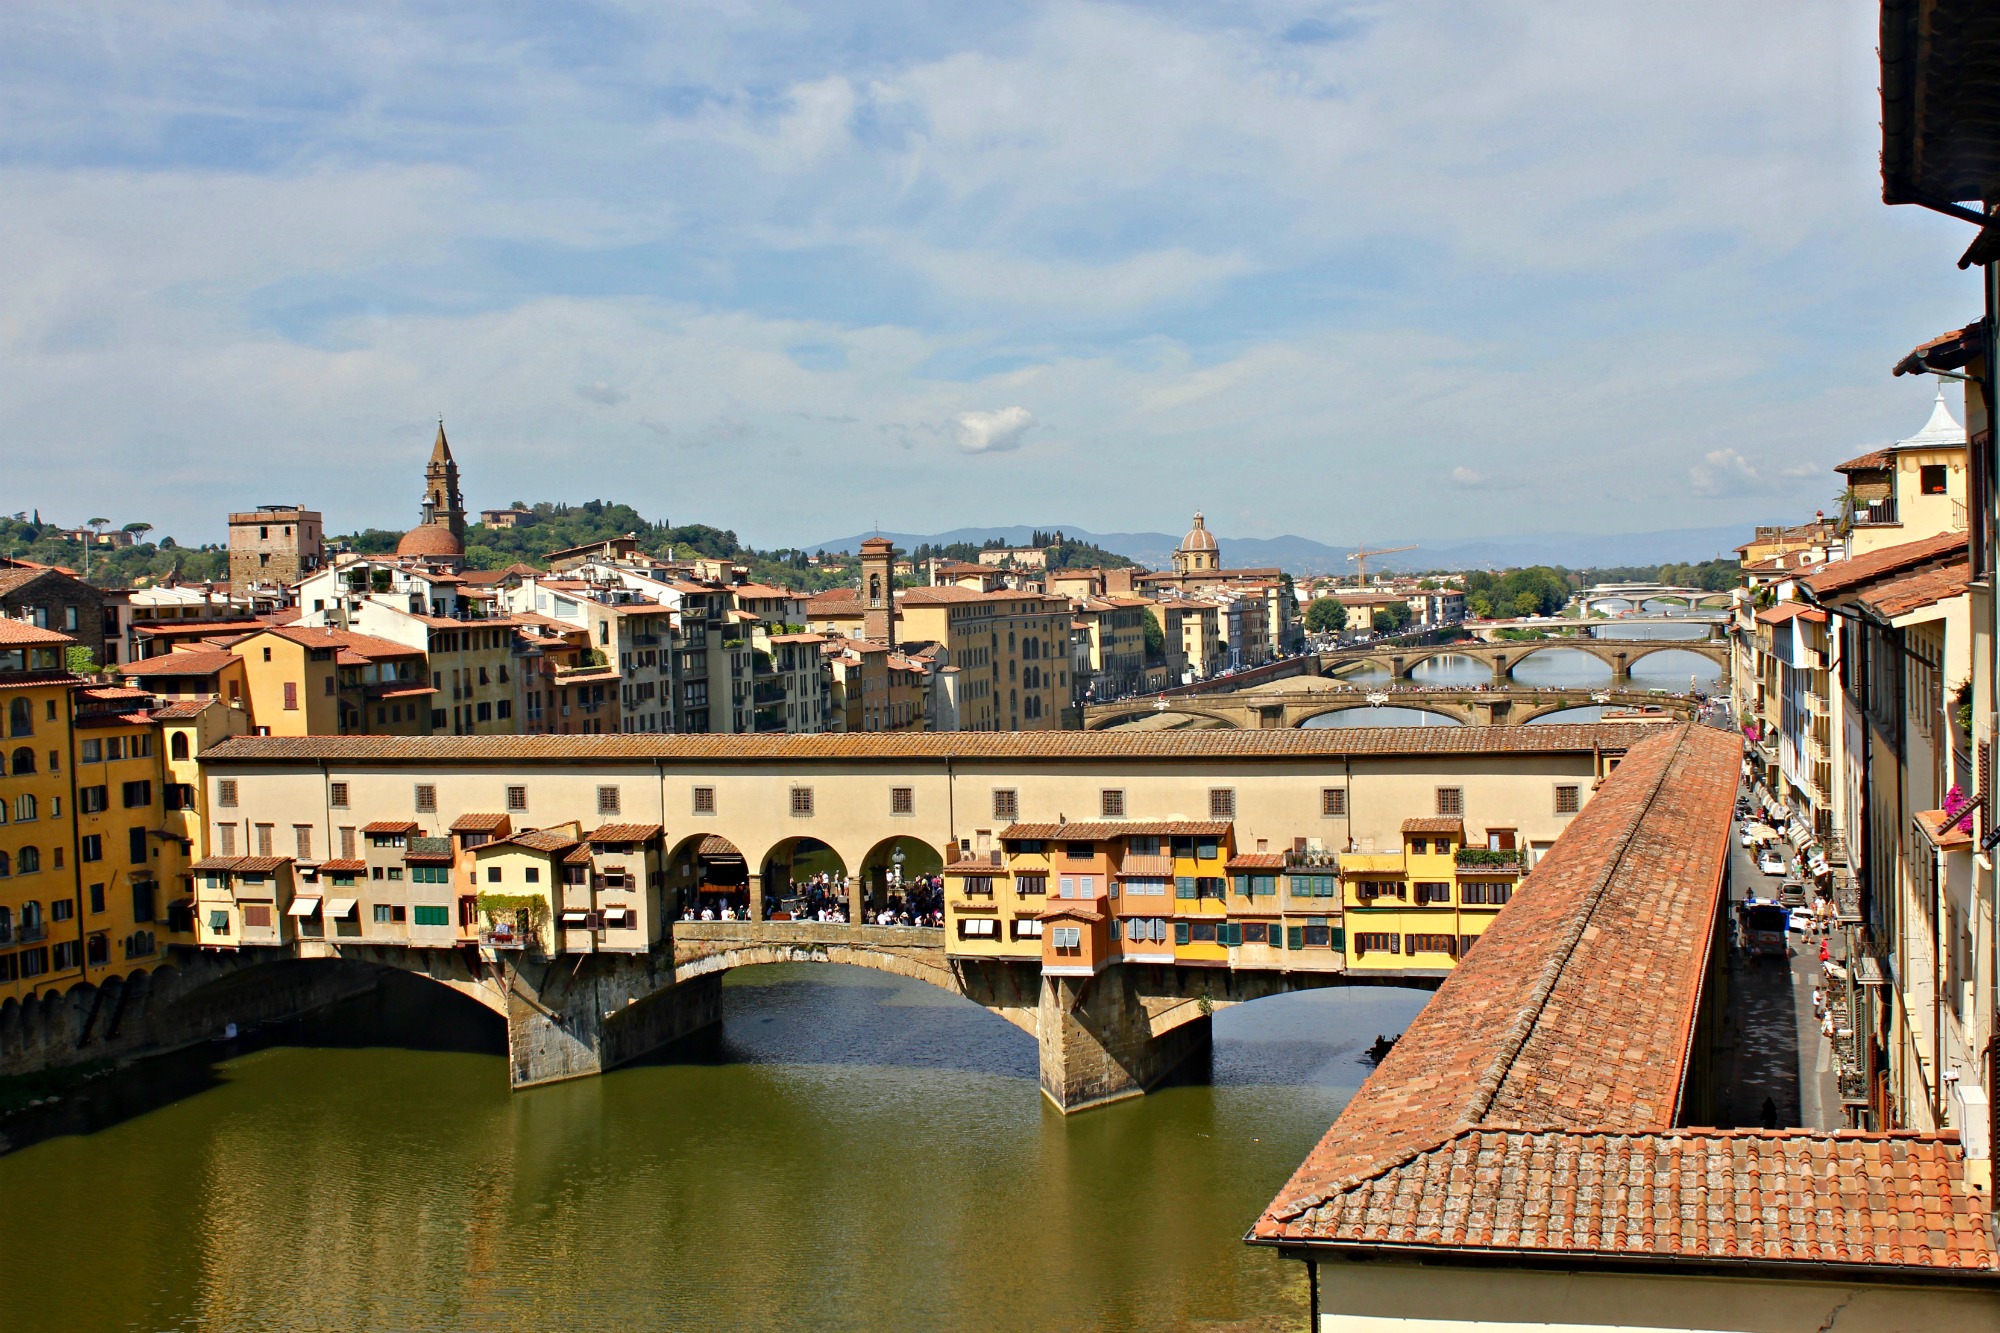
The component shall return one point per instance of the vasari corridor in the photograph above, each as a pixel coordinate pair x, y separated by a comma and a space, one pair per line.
1082, 665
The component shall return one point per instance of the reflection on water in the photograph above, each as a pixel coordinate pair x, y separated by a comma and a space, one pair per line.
1566, 668
851, 1150
1382, 717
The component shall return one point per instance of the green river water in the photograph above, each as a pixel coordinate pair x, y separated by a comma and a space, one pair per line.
850, 1150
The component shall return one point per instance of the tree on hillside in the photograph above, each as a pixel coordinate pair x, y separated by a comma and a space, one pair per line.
1326, 615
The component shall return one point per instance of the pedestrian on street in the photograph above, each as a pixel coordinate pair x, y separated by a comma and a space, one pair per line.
1825, 954
1817, 1002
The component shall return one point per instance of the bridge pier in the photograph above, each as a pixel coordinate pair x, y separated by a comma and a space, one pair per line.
571, 1018
1097, 1042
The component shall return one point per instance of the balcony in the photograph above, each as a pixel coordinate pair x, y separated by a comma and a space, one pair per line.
1319, 862
1485, 859
1158, 865
1877, 514
26, 934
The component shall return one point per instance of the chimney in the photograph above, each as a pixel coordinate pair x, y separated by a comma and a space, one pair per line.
878, 590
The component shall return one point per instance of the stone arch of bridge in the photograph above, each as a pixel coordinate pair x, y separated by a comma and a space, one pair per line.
481, 983
1456, 712
1611, 652
703, 865
1228, 717
798, 858
878, 865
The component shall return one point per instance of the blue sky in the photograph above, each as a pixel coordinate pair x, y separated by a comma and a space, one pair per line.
1355, 271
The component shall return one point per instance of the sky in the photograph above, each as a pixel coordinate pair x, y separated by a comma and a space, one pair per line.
1367, 271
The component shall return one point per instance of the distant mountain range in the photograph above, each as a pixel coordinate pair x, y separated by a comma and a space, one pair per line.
1302, 555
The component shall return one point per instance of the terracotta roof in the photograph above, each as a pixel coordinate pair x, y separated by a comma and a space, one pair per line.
578, 855
535, 840
187, 662
19, 633
430, 539
1913, 592
1873, 461
834, 599
1783, 611
1450, 824
1308, 743
1256, 861
261, 865
623, 833
1531, 1108
363, 646
716, 846
479, 822
1842, 576
389, 826
1947, 351
216, 864
1071, 911
342, 866
975, 866
181, 710
1105, 830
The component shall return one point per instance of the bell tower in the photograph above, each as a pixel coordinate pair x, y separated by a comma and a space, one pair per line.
878, 590
443, 505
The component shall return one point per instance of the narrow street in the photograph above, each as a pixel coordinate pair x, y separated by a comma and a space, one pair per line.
1779, 1052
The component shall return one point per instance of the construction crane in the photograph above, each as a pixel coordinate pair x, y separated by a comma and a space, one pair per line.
1360, 557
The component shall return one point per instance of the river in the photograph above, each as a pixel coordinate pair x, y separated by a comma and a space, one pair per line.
849, 1150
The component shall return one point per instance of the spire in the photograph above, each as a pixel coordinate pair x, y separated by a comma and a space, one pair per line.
1942, 430
441, 452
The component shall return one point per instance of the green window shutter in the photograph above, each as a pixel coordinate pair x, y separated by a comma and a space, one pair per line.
1180, 932
1340, 937
1244, 886
1184, 886
432, 916
1232, 933
1295, 937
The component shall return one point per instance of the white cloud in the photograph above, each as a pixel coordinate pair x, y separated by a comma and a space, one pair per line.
1723, 472
1465, 476
601, 393
991, 432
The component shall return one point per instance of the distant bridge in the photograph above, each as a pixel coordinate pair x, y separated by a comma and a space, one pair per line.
1637, 593
1491, 631
1618, 654
1263, 710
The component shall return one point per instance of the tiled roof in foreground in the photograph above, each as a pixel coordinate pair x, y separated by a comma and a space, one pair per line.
1533, 1108
1297, 743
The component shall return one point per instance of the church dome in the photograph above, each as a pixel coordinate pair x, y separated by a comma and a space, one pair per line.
1199, 538
430, 541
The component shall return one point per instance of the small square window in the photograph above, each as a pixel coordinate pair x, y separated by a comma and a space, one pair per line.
1451, 800
1111, 803
225, 792
1569, 799
1006, 804
1930, 479
517, 798
902, 800
337, 795
1333, 802
704, 800
427, 798
1222, 803
607, 800
802, 800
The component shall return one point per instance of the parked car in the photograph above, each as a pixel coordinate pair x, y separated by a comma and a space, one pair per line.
1792, 893
1750, 839
1764, 929
1770, 862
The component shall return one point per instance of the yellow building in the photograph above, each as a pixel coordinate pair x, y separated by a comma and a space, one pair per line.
1913, 489
1422, 907
518, 878
123, 854
305, 681
40, 942
187, 727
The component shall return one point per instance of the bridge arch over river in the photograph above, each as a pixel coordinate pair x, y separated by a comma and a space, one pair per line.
1263, 710
1621, 655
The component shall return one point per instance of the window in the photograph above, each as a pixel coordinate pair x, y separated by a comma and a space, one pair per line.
143, 906
291, 694
1006, 804
1366, 942
1183, 933
1433, 893
225, 792
1256, 932
91, 800
93, 847
257, 915
302, 839
264, 832
704, 800
1569, 798
225, 839
1485, 895
62, 909
1445, 944
607, 800
1066, 938
1030, 929
1451, 800
1222, 803
802, 800
517, 799
427, 798
1031, 885
432, 916
979, 886
1930, 479
978, 929
1111, 803
493, 874
135, 845
902, 800
347, 832
96, 898
533, 874
1333, 802
138, 795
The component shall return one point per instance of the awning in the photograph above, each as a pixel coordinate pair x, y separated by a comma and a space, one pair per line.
1797, 834
302, 907
617, 916
575, 918
339, 909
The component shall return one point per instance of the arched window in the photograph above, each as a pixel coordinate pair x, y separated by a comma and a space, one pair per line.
24, 808
180, 745
874, 587
31, 911
6, 869
24, 761
21, 718
27, 863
